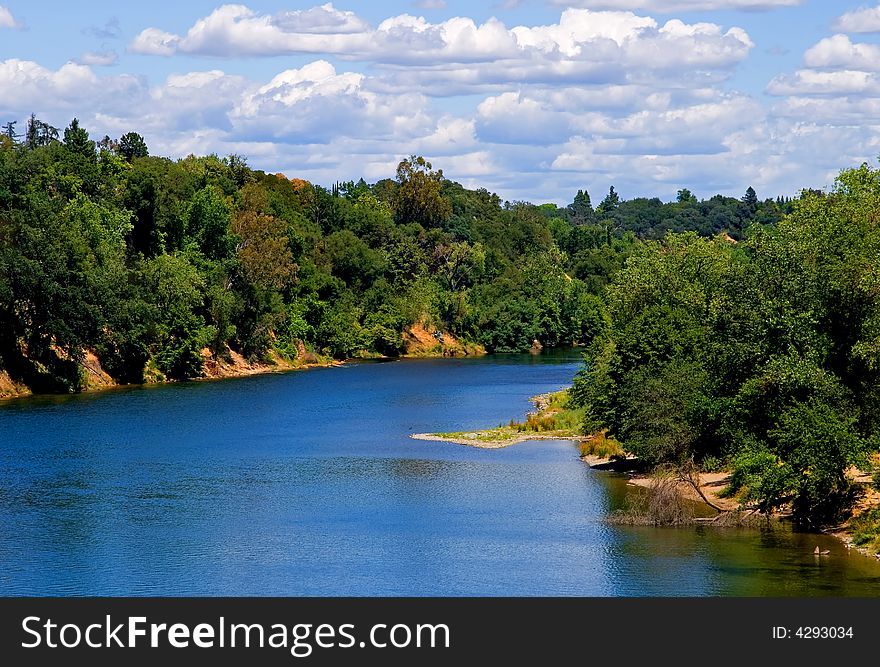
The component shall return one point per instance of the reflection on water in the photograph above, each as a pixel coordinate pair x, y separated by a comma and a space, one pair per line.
308, 484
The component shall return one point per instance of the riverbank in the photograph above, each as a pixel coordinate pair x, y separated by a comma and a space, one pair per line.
9, 388
232, 365
550, 420
423, 341
553, 420
711, 485
420, 342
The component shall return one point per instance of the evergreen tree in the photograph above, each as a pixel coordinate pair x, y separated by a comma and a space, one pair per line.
610, 203
76, 139
9, 130
581, 208
750, 199
132, 145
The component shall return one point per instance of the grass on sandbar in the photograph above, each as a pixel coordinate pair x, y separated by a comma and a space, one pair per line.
553, 418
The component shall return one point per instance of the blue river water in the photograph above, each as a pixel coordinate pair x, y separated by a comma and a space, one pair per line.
307, 483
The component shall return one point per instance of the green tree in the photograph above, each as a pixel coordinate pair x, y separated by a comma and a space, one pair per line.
685, 196
610, 203
418, 196
177, 291
208, 224
132, 145
39, 133
76, 139
581, 208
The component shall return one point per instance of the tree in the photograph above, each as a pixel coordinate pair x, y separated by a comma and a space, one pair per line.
177, 290
685, 196
459, 263
581, 208
76, 139
207, 224
353, 260
9, 131
60, 266
750, 200
418, 197
610, 203
262, 249
39, 133
132, 145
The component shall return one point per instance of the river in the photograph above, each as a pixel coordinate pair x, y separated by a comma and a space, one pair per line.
307, 483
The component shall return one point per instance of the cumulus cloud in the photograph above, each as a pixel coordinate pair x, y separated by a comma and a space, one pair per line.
98, 58
812, 82
195, 100
866, 19
776, 156
832, 110
154, 42
235, 30
458, 53
834, 101
600, 95
314, 104
7, 20
667, 6
839, 52
512, 118
325, 19
29, 86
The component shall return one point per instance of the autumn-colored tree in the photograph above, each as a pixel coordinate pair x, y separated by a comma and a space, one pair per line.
263, 250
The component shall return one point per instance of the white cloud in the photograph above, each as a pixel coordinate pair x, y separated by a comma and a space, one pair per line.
325, 19
98, 58
110, 30
839, 52
591, 99
828, 113
456, 54
847, 111
154, 42
866, 19
195, 100
813, 82
235, 30
667, 6
7, 20
774, 155
314, 104
29, 86
512, 118
451, 136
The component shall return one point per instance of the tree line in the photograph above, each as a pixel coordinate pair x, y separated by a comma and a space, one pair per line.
732, 332
761, 357
147, 261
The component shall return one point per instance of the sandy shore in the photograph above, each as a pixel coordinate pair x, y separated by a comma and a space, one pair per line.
711, 484
97, 380
483, 439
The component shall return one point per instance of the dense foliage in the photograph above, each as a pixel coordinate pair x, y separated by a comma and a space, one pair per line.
727, 330
150, 263
764, 354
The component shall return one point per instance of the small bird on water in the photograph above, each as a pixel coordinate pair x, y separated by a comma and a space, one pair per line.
816, 552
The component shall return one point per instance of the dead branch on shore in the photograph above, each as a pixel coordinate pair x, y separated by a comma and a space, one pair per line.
689, 473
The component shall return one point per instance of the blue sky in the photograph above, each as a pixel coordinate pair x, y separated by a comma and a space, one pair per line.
532, 99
